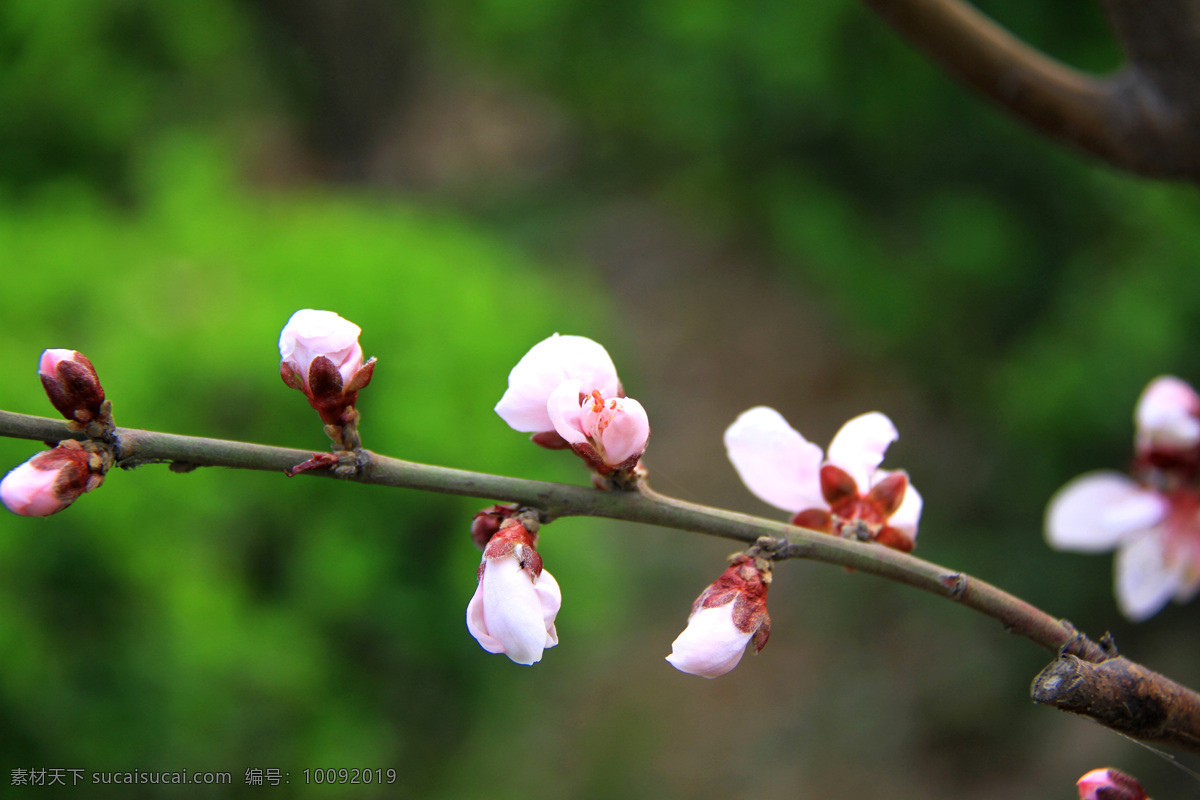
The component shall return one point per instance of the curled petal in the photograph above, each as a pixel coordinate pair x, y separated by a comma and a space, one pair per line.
859, 446
775, 462
711, 645
565, 412
1145, 581
508, 614
621, 428
1096, 511
540, 371
908, 515
550, 596
1168, 415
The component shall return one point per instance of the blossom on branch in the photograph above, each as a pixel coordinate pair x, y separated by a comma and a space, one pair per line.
1109, 784
727, 615
565, 391
515, 601
72, 384
845, 494
320, 356
51, 480
1150, 516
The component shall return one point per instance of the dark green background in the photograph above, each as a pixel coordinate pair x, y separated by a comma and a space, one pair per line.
767, 202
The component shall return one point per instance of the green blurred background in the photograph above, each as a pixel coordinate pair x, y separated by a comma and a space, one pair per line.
748, 203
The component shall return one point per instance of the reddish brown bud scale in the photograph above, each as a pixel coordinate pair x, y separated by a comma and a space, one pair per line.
887, 495
837, 486
486, 523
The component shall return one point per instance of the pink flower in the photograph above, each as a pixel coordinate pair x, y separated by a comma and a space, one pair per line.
843, 494
725, 618
320, 355
566, 392
1152, 518
515, 602
49, 482
72, 384
1109, 784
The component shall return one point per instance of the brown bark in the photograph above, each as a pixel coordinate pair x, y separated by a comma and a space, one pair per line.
1124, 696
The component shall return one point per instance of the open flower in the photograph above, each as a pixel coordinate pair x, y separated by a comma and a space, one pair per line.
515, 601
50, 481
1151, 517
845, 493
320, 355
1109, 784
566, 392
730, 613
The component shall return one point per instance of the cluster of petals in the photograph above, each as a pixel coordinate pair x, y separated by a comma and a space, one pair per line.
1150, 516
730, 613
49, 482
320, 355
1109, 784
566, 392
841, 492
516, 600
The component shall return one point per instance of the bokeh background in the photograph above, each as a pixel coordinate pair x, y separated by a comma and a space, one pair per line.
748, 203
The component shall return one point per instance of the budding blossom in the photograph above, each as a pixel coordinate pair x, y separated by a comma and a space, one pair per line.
320, 356
1151, 516
844, 494
566, 392
515, 601
72, 384
51, 480
725, 618
1109, 784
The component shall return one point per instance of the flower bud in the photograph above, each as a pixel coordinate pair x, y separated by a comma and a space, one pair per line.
724, 619
1109, 784
516, 601
51, 481
486, 524
320, 356
72, 384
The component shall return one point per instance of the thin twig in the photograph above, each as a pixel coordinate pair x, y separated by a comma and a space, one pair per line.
778, 539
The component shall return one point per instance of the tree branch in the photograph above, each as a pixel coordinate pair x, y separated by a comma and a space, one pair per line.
780, 540
1124, 696
1140, 119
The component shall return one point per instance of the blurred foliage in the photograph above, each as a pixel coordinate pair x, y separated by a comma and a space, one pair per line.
292, 622
1028, 294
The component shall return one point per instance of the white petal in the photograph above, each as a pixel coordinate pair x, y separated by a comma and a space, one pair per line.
1144, 583
550, 596
1166, 414
711, 645
478, 626
626, 433
1096, 511
565, 411
908, 515
859, 446
540, 371
512, 610
774, 460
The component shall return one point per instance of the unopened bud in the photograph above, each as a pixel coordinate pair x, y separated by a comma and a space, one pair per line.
51, 480
71, 384
1109, 784
320, 356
